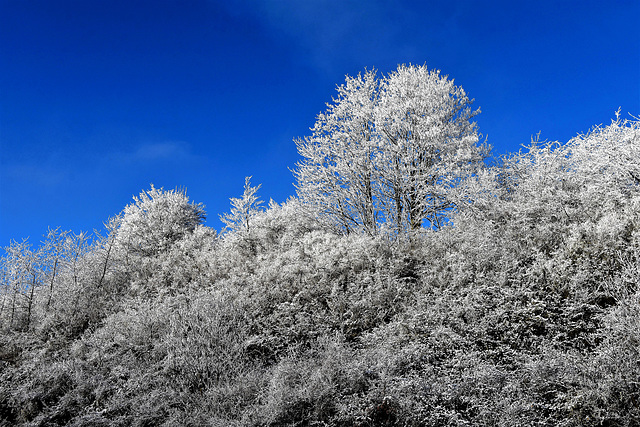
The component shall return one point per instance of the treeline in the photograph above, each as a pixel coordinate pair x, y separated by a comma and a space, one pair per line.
503, 295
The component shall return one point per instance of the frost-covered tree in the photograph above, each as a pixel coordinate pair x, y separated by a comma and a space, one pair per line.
103, 248
53, 250
19, 277
243, 209
156, 219
388, 152
25, 270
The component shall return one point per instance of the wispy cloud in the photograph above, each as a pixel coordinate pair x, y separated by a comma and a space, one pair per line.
333, 33
160, 151
324, 31
156, 152
32, 174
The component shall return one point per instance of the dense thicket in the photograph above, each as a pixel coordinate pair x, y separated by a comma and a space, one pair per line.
524, 310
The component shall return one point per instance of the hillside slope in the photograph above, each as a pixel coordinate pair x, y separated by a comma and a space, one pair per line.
524, 310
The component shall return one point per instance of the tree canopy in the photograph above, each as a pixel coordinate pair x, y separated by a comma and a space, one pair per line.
388, 152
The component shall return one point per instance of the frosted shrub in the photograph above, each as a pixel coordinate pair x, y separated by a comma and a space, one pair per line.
156, 219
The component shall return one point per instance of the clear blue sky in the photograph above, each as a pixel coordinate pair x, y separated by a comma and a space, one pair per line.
99, 99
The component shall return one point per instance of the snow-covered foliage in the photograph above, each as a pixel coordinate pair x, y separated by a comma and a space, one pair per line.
523, 310
156, 219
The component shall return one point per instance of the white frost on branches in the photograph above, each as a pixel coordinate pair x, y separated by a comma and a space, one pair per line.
389, 152
156, 219
243, 209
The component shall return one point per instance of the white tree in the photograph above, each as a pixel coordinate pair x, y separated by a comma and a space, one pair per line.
103, 247
24, 275
53, 250
16, 273
243, 209
156, 219
389, 152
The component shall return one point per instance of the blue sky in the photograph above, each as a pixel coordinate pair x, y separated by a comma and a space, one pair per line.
99, 99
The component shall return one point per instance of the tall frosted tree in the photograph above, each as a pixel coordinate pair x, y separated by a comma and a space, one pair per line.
389, 152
